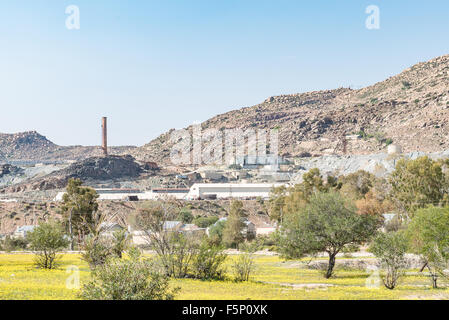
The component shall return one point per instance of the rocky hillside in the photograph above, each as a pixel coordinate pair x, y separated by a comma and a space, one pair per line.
33, 147
25, 144
410, 109
102, 168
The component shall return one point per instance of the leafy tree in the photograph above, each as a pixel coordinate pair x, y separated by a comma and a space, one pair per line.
285, 201
185, 215
356, 185
327, 224
370, 204
428, 233
418, 183
128, 279
233, 230
46, 240
120, 242
390, 248
312, 183
204, 222
78, 205
276, 203
216, 232
237, 209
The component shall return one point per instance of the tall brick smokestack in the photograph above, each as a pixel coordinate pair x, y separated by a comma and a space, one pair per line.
104, 127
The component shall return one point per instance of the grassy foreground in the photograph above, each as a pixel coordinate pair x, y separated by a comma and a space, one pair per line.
273, 279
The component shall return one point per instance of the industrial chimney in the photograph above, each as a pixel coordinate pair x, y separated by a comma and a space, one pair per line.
104, 127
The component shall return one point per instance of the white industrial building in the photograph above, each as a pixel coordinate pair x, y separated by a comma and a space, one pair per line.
231, 190
197, 191
167, 193
124, 194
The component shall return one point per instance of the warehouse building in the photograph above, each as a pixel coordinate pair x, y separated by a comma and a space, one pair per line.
230, 190
136, 194
199, 191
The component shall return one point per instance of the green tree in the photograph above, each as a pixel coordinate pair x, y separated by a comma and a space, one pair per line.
312, 183
327, 223
120, 242
418, 183
285, 201
78, 205
428, 234
185, 215
390, 248
46, 240
276, 203
233, 230
204, 222
216, 232
356, 185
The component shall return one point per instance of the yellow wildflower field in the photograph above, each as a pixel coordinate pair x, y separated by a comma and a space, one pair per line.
273, 279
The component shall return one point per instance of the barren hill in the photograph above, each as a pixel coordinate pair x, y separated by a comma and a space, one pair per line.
410, 109
33, 147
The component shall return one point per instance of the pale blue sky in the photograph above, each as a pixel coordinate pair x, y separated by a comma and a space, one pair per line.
154, 65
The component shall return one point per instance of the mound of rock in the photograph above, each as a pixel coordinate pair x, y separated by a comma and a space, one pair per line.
88, 170
102, 168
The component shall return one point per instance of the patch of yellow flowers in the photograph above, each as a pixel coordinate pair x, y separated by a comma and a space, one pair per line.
273, 279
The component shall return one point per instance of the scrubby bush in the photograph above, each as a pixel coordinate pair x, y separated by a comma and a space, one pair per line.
14, 244
174, 250
208, 262
252, 246
128, 279
99, 247
243, 266
96, 251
